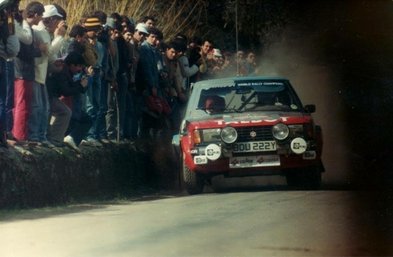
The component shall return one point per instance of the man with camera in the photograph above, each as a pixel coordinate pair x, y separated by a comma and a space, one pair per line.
9, 48
62, 83
49, 36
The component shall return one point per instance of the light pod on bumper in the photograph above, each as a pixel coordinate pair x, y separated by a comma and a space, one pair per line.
213, 152
298, 145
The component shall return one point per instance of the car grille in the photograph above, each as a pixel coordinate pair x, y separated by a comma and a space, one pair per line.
262, 133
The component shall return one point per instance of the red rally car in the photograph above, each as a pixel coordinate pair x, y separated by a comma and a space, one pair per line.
249, 126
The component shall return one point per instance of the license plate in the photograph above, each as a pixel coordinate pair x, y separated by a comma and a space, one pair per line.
257, 146
254, 161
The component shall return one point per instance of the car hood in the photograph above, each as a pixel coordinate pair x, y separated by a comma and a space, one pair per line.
259, 116
254, 117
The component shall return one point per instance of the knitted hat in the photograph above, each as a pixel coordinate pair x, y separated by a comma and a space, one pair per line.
92, 23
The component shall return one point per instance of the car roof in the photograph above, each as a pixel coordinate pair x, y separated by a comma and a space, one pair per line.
231, 81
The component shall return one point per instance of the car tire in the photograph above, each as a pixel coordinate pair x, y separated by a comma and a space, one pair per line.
193, 181
305, 179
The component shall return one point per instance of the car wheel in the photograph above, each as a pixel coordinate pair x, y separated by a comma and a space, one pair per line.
193, 181
308, 179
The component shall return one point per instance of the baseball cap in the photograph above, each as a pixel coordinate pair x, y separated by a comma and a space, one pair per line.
141, 27
50, 11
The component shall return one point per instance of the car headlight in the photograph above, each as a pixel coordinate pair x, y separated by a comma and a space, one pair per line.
228, 135
280, 131
211, 135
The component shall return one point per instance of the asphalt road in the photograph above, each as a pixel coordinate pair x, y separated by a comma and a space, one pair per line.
259, 222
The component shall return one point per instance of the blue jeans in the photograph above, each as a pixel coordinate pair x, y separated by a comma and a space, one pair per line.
122, 83
93, 104
39, 119
132, 118
80, 122
117, 100
103, 108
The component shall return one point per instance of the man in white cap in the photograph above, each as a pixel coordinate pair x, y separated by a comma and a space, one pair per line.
52, 23
140, 33
138, 37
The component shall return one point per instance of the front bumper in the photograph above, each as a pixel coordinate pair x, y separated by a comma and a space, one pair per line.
223, 165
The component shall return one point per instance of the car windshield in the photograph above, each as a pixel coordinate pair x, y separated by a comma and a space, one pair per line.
249, 96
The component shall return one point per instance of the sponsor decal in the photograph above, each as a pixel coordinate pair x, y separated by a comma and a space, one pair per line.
213, 152
194, 151
260, 159
259, 83
200, 159
234, 161
298, 145
243, 161
250, 122
254, 161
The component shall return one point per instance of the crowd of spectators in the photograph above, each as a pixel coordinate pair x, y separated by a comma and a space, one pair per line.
104, 80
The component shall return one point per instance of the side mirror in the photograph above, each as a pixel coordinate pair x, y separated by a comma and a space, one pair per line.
176, 140
310, 108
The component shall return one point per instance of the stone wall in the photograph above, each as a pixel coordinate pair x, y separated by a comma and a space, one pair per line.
35, 176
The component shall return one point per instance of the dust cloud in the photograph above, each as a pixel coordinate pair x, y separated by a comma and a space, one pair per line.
297, 57
338, 55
